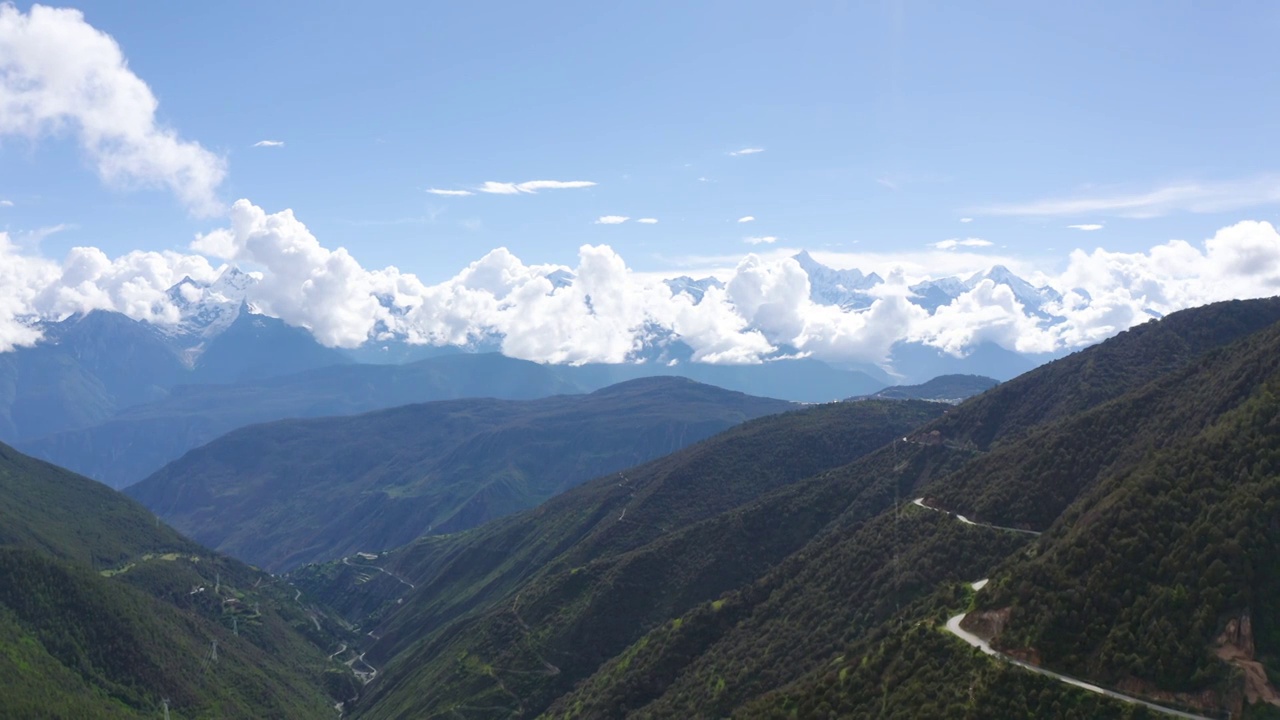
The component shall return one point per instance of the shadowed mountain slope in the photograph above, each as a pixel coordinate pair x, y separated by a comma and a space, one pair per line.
311, 490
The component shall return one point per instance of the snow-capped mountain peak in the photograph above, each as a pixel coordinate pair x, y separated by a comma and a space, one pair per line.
208, 309
846, 289
1032, 298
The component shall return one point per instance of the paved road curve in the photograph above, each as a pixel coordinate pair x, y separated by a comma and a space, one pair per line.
953, 625
967, 521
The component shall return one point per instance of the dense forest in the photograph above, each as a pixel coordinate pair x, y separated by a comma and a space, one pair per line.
106, 612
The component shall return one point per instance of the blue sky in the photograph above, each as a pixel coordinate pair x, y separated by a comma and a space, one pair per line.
881, 124
427, 170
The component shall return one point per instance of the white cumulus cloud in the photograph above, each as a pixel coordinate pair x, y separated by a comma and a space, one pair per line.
611, 219
760, 240
1088, 227
269, 143
746, 219
648, 221
59, 74
608, 312
449, 193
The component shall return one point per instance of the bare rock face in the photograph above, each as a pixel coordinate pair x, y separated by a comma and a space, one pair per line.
986, 624
1235, 646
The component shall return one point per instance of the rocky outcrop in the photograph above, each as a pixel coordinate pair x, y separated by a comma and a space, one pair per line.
1235, 646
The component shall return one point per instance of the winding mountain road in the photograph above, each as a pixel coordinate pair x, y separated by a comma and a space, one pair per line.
347, 561
967, 521
953, 627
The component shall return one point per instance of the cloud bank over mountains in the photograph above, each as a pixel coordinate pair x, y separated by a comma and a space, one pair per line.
602, 311
60, 76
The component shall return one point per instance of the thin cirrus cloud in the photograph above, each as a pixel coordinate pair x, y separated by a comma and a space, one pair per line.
1086, 227
747, 219
1193, 197
6, 203
760, 240
746, 151
449, 193
953, 243
269, 143
611, 219
966, 219
648, 221
531, 187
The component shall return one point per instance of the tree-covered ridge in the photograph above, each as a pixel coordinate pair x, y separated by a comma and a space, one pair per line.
797, 618
944, 388
1149, 571
104, 612
591, 579
1029, 481
294, 491
1106, 371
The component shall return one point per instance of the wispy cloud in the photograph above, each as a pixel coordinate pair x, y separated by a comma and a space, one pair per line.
33, 238
760, 240
1194, 197
1087, 227
892, 185
648, 221
746, 151
747, 219
6, 203
953, 243
611, 219
966, 219
269, 143
449, 193
531, 187
704, 178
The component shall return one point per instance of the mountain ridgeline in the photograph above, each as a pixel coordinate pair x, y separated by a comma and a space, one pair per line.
781, 569
944, 388
116, 399
298, 491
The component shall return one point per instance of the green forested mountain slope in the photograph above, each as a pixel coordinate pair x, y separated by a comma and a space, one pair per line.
824, 597
101, 615
644, 543
1106, 371
138, 441
311, 490
944, 388
1133, 586
1141, 578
